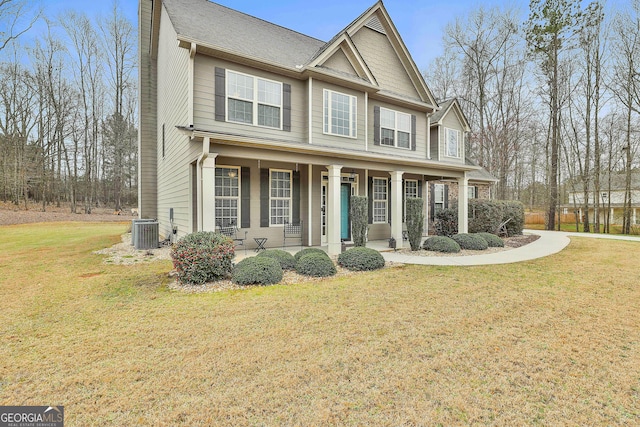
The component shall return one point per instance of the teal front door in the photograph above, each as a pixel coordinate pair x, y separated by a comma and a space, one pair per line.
345, 208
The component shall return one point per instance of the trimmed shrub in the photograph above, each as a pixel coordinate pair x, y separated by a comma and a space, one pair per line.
286, 260
470, 241
359, 219
307, 251
441, 244
515, 211
361, 259
484, 215
316, 265
258, 270
202, 257
415, 221
492, 240
446, 222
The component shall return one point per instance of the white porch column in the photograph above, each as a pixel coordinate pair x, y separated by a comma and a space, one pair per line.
633, 220
463, 204
396, 207
310, 209
333, 210
208, 195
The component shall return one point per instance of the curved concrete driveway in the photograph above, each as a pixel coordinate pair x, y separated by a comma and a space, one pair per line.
550, 242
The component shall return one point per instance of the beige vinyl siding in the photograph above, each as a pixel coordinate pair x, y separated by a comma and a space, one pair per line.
147, 161
173, 169
451, 121
338, 61
421, 132
204, 102
434, 143
378, 53
336, 141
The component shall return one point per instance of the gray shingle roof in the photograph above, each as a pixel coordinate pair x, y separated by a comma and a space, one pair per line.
227, 29
444, 106
480, 174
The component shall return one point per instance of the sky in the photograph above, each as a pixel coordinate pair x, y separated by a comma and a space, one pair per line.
420, 23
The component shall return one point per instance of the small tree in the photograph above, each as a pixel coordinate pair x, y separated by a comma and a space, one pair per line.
359, 219
414, 221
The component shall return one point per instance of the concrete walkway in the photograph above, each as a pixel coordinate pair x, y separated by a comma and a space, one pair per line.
549, 243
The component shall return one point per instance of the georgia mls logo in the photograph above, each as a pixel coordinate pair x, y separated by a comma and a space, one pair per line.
31, 416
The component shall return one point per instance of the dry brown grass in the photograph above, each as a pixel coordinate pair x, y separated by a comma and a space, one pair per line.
550, 342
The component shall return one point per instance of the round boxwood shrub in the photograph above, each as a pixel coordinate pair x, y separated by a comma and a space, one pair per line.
361, 259
492, 240
316, 265
441, 244
470, 241
202, 257
307, 251
257, 271
286, 260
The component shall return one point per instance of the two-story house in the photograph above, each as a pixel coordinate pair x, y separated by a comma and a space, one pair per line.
245, 122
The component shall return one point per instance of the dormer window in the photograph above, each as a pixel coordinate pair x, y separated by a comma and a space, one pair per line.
453, 143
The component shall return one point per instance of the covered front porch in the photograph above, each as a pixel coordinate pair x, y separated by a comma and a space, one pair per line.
260, 191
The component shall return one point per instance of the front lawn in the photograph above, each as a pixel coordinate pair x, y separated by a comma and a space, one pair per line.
554, 341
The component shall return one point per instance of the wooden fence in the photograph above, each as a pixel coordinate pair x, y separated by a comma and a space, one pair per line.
539, 218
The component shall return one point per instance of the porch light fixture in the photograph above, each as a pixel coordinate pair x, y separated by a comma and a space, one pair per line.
232, 173
353, 174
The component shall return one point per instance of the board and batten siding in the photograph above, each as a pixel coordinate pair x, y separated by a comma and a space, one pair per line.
172, 106
381, 57
147, 158
204, 102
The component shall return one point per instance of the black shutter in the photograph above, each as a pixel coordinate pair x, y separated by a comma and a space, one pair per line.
264, 197
432, 201
413, 132
376, 125
389, 200
446, 196
370, 193
295, 209
221, 91
420, 188
286, 107
245, 197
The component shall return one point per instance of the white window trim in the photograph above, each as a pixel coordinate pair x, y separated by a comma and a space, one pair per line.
475, 191
353, 114
406, 181
238, 197
385, 200
395, 128
254, 101
290, 198
438, 202
446, 142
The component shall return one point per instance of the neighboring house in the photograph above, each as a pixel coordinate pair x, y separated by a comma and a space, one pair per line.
245, 122
611, 201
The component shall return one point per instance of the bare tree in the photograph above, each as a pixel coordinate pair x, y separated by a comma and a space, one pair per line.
549, 29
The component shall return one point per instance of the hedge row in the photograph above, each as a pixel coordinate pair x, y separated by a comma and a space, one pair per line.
484, 216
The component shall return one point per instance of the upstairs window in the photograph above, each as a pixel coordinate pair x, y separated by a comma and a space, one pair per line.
253, 100
395, 128
453, 143
339, 114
